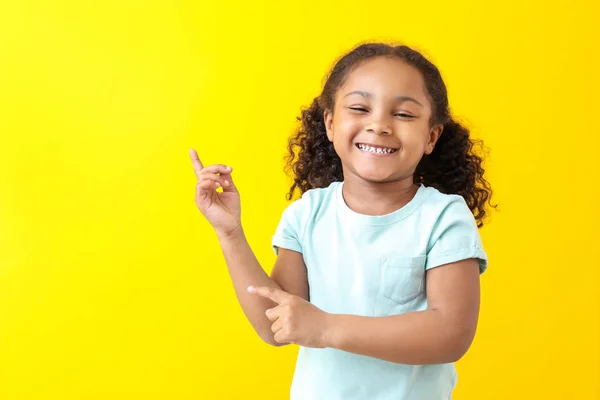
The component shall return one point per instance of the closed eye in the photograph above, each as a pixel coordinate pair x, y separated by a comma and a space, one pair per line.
362, 110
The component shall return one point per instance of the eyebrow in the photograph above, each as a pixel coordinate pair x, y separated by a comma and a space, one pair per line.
399, 99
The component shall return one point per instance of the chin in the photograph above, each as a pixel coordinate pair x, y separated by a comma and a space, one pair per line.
374, 176
377, 180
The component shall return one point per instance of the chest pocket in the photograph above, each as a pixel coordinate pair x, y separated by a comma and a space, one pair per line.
403, 278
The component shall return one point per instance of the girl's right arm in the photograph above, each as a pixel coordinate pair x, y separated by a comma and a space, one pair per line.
222, 210
289, 275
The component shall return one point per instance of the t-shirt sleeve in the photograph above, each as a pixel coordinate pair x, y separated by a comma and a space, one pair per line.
288, 232
456, 237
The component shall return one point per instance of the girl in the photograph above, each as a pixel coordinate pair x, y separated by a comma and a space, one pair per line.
378, 262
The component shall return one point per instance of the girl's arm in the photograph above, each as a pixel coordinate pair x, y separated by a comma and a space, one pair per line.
222, 210
441, 334
289, 274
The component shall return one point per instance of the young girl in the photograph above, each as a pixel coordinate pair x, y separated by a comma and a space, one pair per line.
378, 262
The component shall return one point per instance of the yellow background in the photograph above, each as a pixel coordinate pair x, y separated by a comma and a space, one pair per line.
112, 286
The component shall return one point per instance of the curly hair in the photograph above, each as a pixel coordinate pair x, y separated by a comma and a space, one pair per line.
454, 167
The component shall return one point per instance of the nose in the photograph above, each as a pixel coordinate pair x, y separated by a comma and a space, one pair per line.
379, 125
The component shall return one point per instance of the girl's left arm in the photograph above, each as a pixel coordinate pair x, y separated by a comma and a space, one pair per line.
441, 334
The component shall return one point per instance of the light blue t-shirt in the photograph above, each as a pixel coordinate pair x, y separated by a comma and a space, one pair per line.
374, 266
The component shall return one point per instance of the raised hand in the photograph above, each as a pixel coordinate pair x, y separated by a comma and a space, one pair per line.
221, 209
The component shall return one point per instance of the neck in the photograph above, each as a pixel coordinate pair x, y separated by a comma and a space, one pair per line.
370, 198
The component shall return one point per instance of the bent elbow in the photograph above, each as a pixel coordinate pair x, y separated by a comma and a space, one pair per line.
455, 356
269, 339
459, 345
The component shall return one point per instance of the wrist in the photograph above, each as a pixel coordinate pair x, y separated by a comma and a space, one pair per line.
230, 234
331, 330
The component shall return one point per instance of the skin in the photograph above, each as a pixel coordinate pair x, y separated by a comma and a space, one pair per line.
382, 103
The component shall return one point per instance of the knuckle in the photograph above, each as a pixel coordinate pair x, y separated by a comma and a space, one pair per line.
294, 302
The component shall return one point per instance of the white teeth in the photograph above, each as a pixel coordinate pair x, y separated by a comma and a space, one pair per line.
377, 150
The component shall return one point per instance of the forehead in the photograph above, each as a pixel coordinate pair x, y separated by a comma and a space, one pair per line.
386, 76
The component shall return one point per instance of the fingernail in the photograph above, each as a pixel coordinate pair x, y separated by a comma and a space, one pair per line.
217, 184
226, 183
250, 288
267, 312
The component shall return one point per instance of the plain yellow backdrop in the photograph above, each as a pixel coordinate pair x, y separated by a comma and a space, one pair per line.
112, 286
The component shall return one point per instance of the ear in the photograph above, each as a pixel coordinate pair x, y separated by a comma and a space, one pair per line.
328, 118
434, 135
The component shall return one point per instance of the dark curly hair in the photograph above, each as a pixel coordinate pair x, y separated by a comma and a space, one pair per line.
453, 167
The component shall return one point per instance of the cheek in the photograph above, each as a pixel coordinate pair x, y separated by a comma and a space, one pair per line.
345, 129
415, 142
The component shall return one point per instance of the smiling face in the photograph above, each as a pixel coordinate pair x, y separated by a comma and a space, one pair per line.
380, 125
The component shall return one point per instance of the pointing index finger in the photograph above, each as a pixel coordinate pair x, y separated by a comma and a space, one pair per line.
196, 163
276, 295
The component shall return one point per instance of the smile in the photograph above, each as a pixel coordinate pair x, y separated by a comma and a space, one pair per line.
367, 148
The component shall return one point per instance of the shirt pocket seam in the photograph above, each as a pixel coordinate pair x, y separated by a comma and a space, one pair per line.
406, 270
